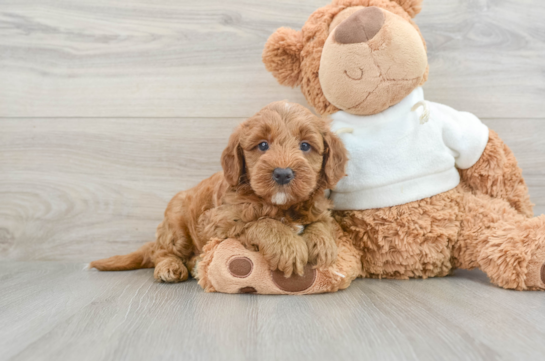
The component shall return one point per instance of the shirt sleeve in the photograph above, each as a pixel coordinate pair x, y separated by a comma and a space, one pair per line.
463, 133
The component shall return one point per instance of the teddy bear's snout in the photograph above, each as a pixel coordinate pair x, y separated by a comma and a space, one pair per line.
360, 27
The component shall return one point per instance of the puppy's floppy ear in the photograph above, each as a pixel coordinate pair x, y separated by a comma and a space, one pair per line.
282, 56
232, 159
412, 7
335, 159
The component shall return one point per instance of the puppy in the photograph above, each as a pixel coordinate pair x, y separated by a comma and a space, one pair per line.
270, 196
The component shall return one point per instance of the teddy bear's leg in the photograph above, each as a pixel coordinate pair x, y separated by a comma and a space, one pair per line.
227, 266
498, 175
412, 240
505, 244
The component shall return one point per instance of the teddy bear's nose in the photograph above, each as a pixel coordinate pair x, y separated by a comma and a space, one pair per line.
360, 27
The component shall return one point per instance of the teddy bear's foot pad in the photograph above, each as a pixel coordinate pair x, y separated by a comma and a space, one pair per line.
248, 290
295, 283
241, 267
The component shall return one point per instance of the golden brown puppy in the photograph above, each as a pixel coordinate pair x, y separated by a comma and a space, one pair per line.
270, 195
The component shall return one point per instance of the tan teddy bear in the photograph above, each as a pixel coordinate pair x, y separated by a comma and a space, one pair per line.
403, 204
428, 189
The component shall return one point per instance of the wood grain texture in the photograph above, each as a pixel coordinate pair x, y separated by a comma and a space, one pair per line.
56, 311
97, 185
485, 56
115, 58
526, 138
82, 189
110, 107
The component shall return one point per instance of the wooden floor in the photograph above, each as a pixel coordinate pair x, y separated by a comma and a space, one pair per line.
56, 311
110, 107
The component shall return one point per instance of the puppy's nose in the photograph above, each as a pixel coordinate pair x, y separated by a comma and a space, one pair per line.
360, 27
283, 175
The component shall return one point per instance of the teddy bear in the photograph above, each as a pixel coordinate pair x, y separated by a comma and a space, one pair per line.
428, 189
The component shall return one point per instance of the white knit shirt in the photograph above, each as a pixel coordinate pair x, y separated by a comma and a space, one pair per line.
394, 159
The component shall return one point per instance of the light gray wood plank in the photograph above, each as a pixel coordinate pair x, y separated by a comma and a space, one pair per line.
485, 56
82, 189
140, 58
526, 138
113, 58
98, 183
52, 311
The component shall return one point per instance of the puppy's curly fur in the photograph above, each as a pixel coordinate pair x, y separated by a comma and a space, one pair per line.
245, 202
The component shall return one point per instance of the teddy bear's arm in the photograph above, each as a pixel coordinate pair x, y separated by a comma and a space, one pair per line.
497, 174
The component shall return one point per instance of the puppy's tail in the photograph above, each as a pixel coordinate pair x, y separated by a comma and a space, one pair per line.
135, 260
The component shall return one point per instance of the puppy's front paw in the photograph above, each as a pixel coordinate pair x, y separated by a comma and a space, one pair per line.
289, 255
170, 270
322, 250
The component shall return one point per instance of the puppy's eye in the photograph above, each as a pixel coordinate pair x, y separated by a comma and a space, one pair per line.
263, 146
305, 147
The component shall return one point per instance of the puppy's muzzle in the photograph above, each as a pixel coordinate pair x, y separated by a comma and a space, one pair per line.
283, 176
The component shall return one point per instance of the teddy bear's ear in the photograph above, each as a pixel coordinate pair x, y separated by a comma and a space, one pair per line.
412, 7
282, 56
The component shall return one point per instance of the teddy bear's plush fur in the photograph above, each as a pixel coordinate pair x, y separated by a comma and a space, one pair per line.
485, 222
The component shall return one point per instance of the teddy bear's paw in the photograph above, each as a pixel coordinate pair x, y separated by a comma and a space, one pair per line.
170, 270
229, 267
242, 267
535, 276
